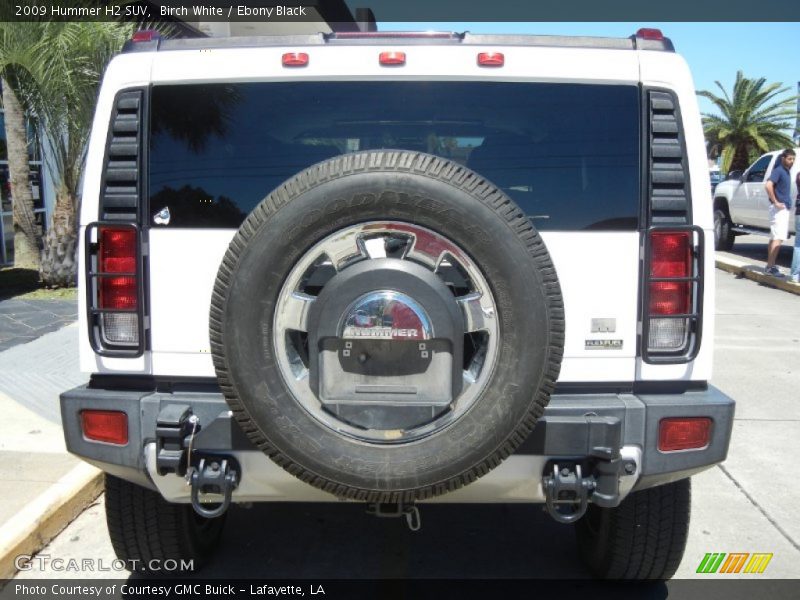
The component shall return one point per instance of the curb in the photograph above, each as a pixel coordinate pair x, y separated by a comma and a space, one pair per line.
748, 271
44, 518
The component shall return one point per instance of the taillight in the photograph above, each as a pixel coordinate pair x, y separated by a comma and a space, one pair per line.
118, 256
683, 433
673, 294
118, 286
107, 426
671, 257
114, 300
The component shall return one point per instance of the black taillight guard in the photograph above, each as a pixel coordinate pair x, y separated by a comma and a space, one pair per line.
694, 316
94, 312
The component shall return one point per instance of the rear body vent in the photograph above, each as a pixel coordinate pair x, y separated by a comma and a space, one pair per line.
673, 256
668, 189
122, 174
116, 245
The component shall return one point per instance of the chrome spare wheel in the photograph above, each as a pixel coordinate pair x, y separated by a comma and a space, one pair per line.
385, 332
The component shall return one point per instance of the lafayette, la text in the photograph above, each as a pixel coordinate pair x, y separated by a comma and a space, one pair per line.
178, 589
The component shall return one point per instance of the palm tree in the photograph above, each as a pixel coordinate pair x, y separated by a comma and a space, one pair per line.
57, 80
753, 120
14, 48
76, 57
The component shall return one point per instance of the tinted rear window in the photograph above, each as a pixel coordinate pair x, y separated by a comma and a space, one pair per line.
567, 154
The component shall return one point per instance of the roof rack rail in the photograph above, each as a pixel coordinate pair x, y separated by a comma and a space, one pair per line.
427, 35
644, 39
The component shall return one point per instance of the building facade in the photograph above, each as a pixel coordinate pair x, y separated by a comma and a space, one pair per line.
41, 189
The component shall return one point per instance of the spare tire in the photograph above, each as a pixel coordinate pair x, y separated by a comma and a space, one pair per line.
387, 326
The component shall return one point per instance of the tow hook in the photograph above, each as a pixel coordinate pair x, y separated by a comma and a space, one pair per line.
567, 493
213, 476
401, 509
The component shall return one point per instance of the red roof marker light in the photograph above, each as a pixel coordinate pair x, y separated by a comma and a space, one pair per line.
392, 58
491, 59
650, 34
145, 35
295, 59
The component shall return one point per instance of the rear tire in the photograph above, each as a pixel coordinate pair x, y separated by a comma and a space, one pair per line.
723, 234
642, 538
146, 530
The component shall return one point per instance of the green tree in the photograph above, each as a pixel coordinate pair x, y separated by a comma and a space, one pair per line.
14, 50
60, 88
753, 119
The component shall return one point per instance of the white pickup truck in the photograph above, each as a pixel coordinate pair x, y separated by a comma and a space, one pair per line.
741, 203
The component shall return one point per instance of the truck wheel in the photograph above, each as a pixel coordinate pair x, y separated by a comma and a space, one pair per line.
387, 326
148, 533
723, 233
642, 538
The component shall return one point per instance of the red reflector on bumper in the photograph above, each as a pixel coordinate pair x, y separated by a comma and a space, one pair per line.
683, 433
105, 426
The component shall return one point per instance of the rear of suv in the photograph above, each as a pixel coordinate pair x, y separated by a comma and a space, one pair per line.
394, 269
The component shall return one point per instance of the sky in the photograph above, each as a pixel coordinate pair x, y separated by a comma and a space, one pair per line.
714, 51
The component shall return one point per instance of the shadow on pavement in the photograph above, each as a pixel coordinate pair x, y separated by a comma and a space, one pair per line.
481, 549
754, 248
340, 541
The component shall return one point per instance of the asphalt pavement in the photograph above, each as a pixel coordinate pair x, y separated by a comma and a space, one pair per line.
22, 321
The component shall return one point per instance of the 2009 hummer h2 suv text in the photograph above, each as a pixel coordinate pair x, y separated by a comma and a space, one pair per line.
395, 268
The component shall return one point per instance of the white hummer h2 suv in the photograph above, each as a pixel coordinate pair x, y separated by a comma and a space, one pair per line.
394, 269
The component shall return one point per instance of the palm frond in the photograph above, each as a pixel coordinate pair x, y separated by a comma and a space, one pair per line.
754, 117
56, 68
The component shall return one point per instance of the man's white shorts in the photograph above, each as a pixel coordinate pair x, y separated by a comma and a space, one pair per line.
778, 223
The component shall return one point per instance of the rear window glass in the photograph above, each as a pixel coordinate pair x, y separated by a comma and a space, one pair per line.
568, 154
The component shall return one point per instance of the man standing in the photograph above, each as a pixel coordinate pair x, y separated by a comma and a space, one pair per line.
796, 254
779, 190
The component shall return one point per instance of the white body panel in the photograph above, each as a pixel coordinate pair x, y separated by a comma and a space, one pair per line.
735, 194
598, 274
183, 267
332, 63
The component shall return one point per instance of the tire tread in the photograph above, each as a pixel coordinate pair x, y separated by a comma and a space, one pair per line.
643, 538
144, 527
